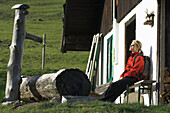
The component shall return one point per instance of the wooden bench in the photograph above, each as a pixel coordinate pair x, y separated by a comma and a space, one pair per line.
142, 85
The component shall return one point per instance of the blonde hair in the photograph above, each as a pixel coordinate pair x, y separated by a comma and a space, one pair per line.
139, 45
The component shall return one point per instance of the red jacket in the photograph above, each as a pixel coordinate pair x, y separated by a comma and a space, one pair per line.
132, 71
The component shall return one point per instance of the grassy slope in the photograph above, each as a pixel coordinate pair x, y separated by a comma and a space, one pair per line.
51, 12
85, 107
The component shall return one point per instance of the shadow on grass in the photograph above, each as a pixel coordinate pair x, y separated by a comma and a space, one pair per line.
2, 84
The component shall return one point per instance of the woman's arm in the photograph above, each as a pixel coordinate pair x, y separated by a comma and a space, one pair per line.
138, 67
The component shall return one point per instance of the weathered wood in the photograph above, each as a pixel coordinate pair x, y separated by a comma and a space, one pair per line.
94, 94
167, 73
167, 102
167, 79
167, 87
33, 37
124, 7
65, 82
93, 55
102, 88
162, 51
43, 51
39, 87
16, 54
165, 68
73, 82
142, 83
164, 94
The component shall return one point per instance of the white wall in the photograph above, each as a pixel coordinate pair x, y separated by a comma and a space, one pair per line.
144, 33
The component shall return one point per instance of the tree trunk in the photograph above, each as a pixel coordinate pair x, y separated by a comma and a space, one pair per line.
39, 87
65, 82
16, 54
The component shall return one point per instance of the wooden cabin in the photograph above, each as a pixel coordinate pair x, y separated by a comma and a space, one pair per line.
120, 22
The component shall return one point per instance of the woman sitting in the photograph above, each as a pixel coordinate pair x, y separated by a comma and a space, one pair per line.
129, 76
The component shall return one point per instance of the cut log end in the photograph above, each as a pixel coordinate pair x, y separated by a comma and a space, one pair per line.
73, 82
65, 82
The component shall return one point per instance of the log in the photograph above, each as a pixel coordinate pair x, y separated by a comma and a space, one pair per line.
167, 87
165, 68
166, 73
44, 87
166, 79
73, 82
39, 87
164, 94
34, 38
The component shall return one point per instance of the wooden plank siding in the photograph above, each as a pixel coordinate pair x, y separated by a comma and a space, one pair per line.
123, 7
83, 19
107, 18
82, 13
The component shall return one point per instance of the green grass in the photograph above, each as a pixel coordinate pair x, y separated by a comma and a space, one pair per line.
51, 13
85, 107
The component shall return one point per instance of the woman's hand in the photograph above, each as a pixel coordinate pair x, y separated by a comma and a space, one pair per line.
120, 78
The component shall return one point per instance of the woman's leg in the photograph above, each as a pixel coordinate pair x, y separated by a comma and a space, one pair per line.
117, 88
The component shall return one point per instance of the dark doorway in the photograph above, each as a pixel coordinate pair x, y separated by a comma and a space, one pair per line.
130, 34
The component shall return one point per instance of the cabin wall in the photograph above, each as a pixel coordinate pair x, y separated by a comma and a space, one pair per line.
144, 33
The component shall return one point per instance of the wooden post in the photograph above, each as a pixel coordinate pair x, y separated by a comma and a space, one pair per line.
12, 92
162, 51
43, 51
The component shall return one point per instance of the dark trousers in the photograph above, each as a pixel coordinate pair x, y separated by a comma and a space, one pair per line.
117, 88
